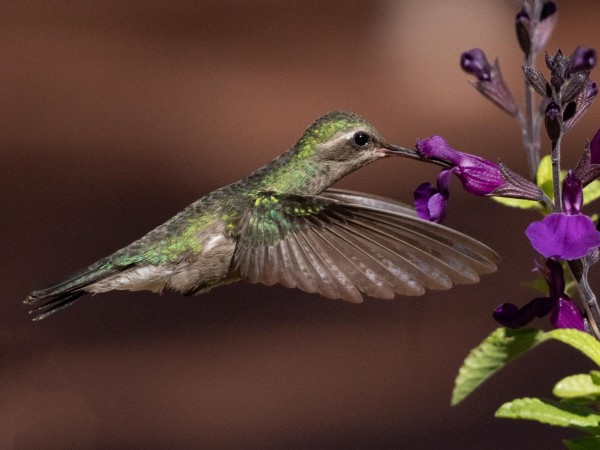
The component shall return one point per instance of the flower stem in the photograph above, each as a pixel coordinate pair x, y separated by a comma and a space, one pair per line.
589, 300
556, 173
530, 125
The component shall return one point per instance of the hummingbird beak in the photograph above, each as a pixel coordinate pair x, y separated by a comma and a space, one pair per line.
390, 149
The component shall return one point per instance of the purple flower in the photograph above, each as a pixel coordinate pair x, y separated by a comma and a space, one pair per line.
489, 79
588, 167
583, 101
477, 175
563, 312
475, 62
566, 235
553, 120
535, 23
583, 58
430, 202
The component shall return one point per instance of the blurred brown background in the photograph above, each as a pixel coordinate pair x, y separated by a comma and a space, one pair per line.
116, 115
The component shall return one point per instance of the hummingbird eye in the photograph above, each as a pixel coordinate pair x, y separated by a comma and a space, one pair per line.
361, 138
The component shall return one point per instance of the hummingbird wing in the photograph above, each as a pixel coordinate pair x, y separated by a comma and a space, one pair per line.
370, 200
343, 250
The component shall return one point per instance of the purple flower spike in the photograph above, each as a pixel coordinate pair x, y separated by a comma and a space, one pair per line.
595, 149
583, 58
477, 175
563, 236
475, 62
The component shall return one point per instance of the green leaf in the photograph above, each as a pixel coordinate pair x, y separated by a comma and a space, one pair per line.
538, 284
584, 443
500, 347
504, 345
551, 412
576, 386
591, 192
544, 176
518, 203
595, 376
571, 288
585, 343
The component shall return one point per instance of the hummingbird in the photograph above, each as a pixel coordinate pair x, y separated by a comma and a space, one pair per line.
284, 224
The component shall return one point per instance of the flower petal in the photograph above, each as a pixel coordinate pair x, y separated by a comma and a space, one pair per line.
572, 195
479, 176
437, 208
566, 315
511, 316
430, 204
562, 236
555, 277
436, 147
422, 194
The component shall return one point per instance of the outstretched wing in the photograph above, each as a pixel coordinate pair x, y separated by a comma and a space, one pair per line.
370, 200
343, 250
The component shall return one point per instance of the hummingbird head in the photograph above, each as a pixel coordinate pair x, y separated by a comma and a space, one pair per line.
334, 145
344, 142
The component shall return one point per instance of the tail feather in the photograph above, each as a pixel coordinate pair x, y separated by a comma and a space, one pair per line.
46, 302
54, 304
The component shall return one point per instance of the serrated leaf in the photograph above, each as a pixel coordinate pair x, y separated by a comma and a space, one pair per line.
584, 443
591, 192
504, 345
576, 386
500, 347
550, 412
518, 203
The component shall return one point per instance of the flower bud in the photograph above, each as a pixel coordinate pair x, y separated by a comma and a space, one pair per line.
553, 121
475, 63
582, 59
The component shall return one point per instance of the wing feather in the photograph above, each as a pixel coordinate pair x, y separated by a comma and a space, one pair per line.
342, 246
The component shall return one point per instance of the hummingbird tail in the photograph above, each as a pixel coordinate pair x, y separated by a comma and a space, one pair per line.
46, 302
49, 305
